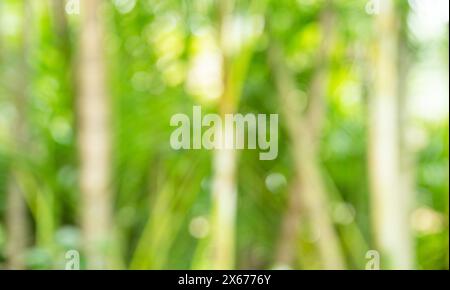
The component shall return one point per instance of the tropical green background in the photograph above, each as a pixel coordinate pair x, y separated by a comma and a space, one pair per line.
88, 88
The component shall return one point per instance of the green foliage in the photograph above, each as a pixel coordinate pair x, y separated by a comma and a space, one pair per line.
158, 192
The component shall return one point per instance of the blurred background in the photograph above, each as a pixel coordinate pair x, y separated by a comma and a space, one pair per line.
88, 88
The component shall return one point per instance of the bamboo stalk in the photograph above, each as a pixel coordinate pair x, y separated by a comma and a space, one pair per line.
388, 200
94, 140
224, 196
304, 129
16, 212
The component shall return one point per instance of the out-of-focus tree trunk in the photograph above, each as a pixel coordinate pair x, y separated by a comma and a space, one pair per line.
290, 226
389, 200
94, 140
16, 210
17, 225
224, 211
407, 163
304, 129
224, 164
236, 58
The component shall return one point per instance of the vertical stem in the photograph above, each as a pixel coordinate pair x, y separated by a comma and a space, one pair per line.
224, 212
17, 226
16, 212
304, 130
94, 139
290, 226
390, 212
224, 161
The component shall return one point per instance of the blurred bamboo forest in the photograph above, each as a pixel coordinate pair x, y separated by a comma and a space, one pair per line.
88, 88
